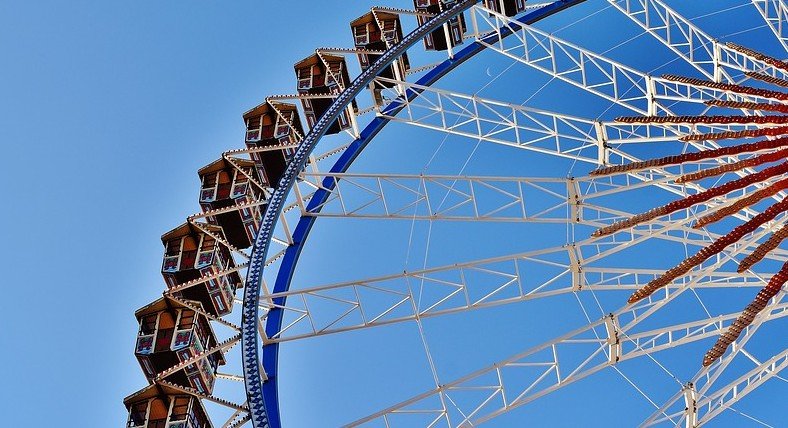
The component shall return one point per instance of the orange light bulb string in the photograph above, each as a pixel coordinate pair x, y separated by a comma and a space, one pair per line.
691, 200
734, 166
742, 203
762, 250
693, 157
780, 108
767, 79
731, 135
759, 56
708, 120
710, 250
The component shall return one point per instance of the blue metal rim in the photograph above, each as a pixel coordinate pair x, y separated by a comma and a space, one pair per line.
263, 396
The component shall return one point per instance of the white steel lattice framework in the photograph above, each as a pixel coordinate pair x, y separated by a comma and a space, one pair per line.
584, 265
775, 12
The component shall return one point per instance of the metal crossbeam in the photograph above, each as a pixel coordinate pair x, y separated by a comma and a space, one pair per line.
542, 131
439, 197
204, 279
710, 405
237, 419
231, 208
543, 369
465, 286
775, 13
581, 139
569, 201
714, 404
711, 327
482, 283
194, 392
222, 347
199, 310
582, 201
583, 68
713, 59
705, 379
546, 355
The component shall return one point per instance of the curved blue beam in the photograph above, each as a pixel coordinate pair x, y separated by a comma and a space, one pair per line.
274, 318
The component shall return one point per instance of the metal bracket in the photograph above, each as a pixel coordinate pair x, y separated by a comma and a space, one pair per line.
691, 403
716, 59
575, 265
573, 200
603, 154
651, 95
613, 341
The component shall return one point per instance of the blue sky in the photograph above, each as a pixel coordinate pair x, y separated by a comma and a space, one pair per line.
108, 109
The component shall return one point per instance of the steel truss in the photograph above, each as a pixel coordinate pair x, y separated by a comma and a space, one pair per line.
539, 130
775, 13
596, 142
581, 201
509, 199
697, 399
601, 343
699, 409
714, 60
662, 90
462, 287
714, 404
542, 131
476, 198
583, 68
341, 307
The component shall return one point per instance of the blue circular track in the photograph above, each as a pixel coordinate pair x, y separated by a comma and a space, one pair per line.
262, 396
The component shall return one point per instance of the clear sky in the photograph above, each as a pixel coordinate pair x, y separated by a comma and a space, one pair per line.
107, 109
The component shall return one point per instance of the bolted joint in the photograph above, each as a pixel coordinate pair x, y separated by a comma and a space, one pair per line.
576, 267
613, 340
691, 405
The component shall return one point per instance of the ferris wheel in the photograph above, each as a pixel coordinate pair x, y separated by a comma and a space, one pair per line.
571, 216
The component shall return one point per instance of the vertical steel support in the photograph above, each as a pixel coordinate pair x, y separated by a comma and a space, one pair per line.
353, 121
573, 200
603, 155
576, 266
691, 405
447, 34
651, 96
613, 341
717, 68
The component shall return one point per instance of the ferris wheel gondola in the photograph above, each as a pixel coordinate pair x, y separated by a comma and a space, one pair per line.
259, 205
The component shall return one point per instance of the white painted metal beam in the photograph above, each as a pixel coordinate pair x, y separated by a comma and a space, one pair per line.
775, 13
